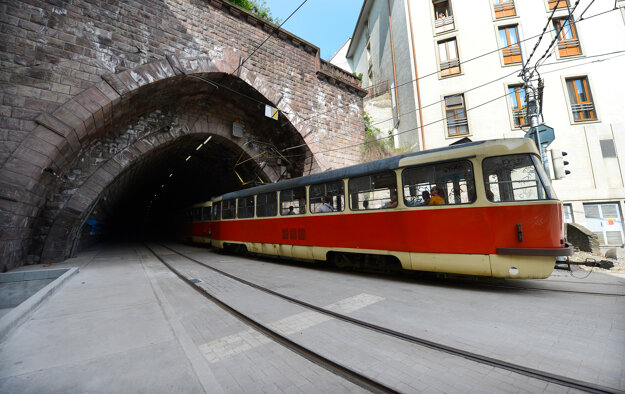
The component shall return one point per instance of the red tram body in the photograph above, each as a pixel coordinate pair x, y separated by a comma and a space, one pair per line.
499, 217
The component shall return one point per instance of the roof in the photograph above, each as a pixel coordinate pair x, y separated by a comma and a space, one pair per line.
348, 172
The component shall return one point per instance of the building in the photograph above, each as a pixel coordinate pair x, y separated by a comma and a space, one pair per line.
442, 70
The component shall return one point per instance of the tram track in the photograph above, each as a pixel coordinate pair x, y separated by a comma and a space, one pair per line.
354, 376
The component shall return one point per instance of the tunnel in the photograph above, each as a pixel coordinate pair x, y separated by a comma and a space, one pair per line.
202, 136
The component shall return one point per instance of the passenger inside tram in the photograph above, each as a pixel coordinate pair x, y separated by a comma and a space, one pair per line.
436, 198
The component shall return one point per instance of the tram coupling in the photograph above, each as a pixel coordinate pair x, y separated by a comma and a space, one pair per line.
565, 263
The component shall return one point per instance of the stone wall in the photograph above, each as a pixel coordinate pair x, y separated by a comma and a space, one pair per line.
71, 71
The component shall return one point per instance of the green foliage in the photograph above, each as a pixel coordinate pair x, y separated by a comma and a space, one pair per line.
258, 8
375, 145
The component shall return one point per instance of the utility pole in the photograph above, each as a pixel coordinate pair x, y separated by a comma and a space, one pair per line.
531, 98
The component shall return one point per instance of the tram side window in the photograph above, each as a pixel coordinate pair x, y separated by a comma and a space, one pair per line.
228, 209
454, 180
373, 191
197, 214
293, 201
206, 213
327, 197
514, 178
245, 207
217, 211
266, 205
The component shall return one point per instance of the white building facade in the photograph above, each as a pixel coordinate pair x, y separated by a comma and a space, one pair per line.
452, 71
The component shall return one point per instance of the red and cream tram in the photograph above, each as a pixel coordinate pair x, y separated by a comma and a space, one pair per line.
193, 223
496, 213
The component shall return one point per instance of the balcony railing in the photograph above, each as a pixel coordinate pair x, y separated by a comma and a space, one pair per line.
519, 117
583, 111
504, 9
450, 64
444, 24
378, 89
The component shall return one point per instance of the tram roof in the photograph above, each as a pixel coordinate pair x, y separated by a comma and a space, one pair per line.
371, 167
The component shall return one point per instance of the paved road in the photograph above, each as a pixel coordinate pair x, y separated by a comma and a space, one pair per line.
126, 324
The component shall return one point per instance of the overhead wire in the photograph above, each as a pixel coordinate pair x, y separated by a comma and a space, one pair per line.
622, 52
316, 115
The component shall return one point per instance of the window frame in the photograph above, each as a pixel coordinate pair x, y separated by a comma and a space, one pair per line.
445, 24
438, 183
466, 117
234, 208
567, 47
504, 6
540, 174
572, 105
391, 190
242, 202
452, 66
265, 204
311, 199
522, 107
511, 54
281, 201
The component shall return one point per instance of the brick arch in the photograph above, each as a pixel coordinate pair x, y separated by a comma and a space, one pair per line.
79, 122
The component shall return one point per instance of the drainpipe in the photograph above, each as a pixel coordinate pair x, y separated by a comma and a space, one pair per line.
390, 26
416, 76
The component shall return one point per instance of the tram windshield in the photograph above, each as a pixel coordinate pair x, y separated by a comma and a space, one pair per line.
515, 178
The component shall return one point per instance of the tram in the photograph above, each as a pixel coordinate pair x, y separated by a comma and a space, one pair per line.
482, 208
193, 224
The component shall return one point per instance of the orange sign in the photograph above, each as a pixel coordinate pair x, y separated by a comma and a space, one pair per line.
610, 222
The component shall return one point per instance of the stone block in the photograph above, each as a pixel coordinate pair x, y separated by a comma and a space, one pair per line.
582, 238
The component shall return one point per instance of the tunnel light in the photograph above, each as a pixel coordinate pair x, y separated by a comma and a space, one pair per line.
188, 158
199, 146
172, 174
162, 186
208, 139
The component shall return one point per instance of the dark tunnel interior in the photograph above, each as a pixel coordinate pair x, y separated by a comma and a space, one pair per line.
142, 201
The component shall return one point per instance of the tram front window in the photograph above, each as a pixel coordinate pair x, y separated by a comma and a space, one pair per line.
515, 178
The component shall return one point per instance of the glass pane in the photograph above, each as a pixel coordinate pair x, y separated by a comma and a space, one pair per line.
513, 35
267, 204
513, 100
512, 178
293, 201
228, 209
503, 38
453, 54
373, 191
446, 183
579, 85
245, 207
217, 211
327, 197
442, 51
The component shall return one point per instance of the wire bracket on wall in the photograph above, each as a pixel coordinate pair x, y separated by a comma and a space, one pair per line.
267, 151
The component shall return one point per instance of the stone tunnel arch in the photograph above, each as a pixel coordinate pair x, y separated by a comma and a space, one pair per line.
89, 121
71, 71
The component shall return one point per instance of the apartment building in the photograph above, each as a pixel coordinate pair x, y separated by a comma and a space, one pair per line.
442, 70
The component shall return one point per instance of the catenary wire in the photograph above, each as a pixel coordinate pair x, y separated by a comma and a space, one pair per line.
444, 118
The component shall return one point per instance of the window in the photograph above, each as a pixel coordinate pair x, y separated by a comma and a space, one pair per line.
509, 42
266, 205
293, 201
580, 99
443, 18
567, 213
608, 149
373, 191
606, 221
504, 8
206, 213
327, 197
514, 178
558, 3
448, 54
228, 209
517, 105
456, 115
568, 43
245, 207
454, 181
369, 64
217, 211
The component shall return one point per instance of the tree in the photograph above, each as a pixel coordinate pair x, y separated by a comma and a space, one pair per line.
258, 8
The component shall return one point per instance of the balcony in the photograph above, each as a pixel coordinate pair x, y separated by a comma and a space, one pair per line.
511, 54
442, 25
583, 111
504, 9
569, 47
450, 67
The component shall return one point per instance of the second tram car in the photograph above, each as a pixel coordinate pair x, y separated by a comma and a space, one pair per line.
193, 223
482, 208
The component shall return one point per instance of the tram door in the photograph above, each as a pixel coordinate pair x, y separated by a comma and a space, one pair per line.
605, 221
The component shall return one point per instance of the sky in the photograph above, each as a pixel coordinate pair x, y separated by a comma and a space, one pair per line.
326, 24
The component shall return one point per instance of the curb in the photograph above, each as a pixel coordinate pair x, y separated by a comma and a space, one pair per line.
23, 311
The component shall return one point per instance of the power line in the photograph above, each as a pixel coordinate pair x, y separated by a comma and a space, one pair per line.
462, 62
466, 110
268, 37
